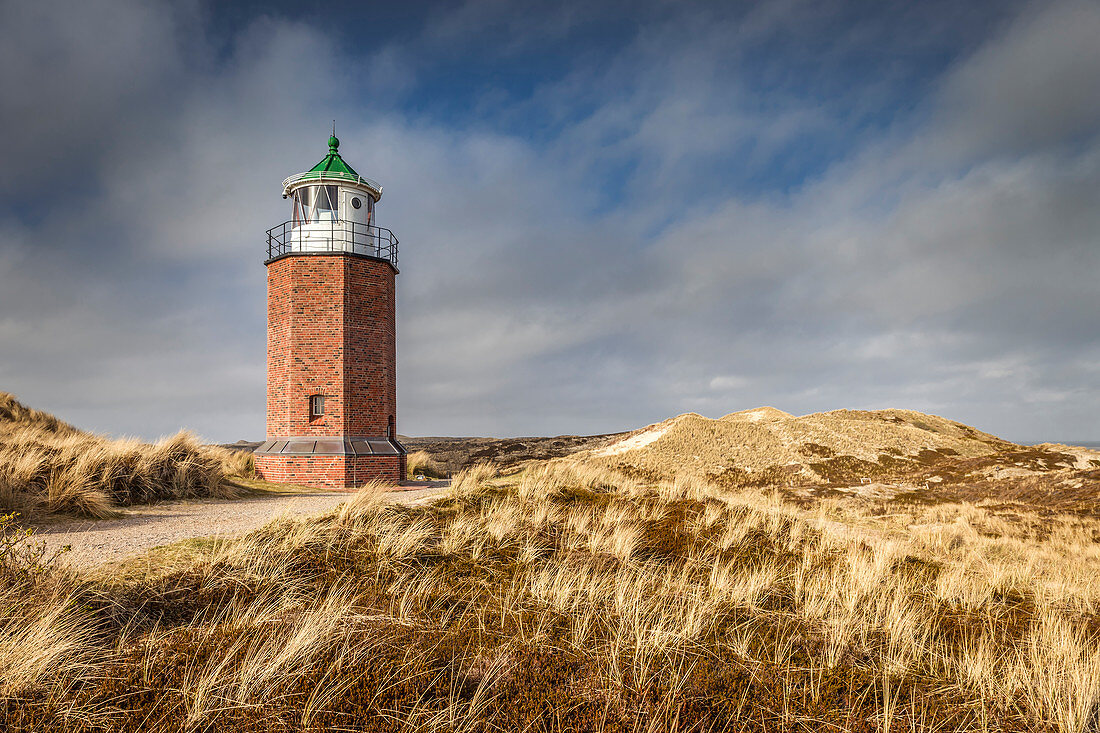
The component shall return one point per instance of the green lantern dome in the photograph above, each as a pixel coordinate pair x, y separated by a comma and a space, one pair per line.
333, 168
332, 164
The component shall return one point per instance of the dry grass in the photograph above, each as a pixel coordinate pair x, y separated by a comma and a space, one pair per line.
765, 445
570, 597
453, 454
421, 463
49, 466
902, 455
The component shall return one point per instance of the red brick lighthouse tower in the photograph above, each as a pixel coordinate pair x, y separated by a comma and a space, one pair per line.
331, 337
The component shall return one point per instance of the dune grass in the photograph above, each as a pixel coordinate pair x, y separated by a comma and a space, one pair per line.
569, 597
49, 466
421, 463
764, 445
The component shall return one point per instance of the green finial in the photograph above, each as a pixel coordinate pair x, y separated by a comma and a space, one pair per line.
333, 166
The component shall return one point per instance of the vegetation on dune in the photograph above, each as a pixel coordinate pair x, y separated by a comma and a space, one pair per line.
817, 448
899, 453
454, 454
421, 463
49, 466
570, 597
13, 412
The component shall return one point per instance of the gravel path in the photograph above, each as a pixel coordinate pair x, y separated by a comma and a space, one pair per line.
144, 527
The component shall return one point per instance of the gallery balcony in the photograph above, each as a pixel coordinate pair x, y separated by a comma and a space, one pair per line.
318, 237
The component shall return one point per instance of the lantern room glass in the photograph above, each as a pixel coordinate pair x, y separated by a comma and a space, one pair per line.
313, 204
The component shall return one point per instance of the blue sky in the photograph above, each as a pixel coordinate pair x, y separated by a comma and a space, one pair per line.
610, 213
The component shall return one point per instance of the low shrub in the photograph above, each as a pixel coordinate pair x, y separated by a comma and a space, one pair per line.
23, 560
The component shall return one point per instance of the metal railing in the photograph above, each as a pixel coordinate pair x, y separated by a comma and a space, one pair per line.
332, 236
322, 176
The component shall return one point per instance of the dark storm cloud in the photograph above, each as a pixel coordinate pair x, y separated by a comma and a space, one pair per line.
941, 259
1030, 88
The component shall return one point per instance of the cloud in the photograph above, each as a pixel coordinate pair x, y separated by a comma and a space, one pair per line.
1029, 88
71, 74
689, 225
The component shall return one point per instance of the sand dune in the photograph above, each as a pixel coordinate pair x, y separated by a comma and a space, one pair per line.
812, 448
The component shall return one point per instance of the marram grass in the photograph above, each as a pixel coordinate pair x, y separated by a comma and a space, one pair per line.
49, 466
569, 598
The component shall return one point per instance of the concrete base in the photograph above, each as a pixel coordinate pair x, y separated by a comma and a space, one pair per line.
330, 471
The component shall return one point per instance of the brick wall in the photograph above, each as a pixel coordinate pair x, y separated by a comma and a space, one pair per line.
370, 347
331, 472
331, 331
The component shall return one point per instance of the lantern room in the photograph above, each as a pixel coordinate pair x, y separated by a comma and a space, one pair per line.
332, 210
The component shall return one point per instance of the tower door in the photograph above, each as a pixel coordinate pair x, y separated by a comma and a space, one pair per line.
357, 214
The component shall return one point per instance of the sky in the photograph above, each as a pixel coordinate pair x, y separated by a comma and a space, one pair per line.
610, 213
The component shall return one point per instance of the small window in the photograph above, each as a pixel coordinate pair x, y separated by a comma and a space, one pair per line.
356, 203
316, 405
391, 428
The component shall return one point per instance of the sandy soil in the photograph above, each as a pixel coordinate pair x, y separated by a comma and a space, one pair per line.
144, 527
765, 438
639, 440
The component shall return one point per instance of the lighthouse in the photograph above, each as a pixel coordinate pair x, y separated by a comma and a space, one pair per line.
331, 334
